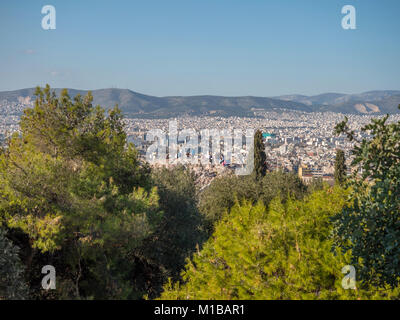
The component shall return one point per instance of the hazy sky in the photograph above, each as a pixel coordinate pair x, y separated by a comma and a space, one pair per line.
190, 47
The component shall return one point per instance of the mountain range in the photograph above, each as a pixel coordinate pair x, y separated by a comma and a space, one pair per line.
135, 104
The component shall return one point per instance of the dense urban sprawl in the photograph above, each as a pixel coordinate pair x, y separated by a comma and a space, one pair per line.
295, 141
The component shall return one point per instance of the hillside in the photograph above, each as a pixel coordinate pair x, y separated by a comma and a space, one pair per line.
380, 102
134, 104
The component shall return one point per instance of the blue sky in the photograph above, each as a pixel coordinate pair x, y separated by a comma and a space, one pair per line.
191, 47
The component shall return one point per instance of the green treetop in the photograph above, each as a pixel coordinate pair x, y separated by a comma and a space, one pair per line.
260, 165
369, 225
340, 167
73, 185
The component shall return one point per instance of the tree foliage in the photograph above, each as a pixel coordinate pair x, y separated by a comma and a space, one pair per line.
223, 192
179, 233
340, 167
12, 282
72, 184
260, 158
255, 253
284, 252
369, 226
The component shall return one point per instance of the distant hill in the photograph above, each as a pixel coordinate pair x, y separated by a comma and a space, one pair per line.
134, 104
380, 102
321, 99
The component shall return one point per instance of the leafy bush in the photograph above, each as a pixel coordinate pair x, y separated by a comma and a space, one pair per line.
284, 252
224, 191
369, 226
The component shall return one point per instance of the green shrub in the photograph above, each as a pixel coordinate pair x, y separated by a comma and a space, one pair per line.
370, 225
284, 252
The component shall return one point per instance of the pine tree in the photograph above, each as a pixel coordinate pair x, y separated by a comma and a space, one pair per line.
260, 165
74, 186
283, 252
340, 167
